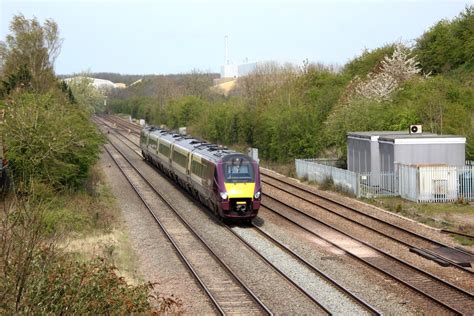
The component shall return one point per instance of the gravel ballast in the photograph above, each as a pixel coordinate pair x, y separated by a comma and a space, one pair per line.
156, 259
383, 293
269, 286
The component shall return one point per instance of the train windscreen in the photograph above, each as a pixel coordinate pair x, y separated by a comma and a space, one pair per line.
238, 170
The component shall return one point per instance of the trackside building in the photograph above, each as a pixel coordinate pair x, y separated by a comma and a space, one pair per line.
382, 151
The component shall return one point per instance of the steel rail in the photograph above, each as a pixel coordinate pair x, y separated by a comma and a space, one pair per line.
387, 235
448, 231
166, 202
405, 264
313, 268
299, 187
254, 250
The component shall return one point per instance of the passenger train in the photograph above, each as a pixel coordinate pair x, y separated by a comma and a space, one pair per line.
226, 181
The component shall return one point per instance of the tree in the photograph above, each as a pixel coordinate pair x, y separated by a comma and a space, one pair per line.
48, 139
384, 80
33, 46
86, 95
448, 45
20, 79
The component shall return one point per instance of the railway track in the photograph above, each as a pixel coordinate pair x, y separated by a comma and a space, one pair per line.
330, 281
224, 288
443, 293
396, 233
310, 266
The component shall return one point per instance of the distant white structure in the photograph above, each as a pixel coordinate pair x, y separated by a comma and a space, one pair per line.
232, 70
100, 84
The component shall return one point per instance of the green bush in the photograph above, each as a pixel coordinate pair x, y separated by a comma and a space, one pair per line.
448, 45
367, 61
49, 139
442, 105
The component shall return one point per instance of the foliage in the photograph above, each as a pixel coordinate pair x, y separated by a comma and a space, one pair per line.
38, 278
184, 111
289, 112
448, 45
393, 71
49, 139
441, 105
61, 284
33, 46
82, 211
86, 95
367, 61
21, 79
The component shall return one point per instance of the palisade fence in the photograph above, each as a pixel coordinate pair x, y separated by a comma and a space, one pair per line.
418, 183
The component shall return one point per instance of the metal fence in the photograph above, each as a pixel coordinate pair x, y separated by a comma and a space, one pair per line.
312, 170
377, 184
432, 184
427, 184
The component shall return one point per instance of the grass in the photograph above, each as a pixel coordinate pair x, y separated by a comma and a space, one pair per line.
88, 210
287, 169
90, 223
452, 216
114, 247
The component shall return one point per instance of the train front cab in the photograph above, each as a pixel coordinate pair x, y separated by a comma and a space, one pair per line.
238, 184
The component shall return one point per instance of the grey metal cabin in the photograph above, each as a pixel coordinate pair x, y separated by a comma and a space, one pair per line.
381, 151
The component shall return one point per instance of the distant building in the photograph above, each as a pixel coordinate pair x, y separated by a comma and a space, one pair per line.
233, 70
229, 71
240, 70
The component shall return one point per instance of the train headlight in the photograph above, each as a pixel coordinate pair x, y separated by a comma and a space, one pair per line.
224, 195
257, 194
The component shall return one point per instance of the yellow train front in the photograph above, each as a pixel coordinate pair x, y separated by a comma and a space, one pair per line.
238, 183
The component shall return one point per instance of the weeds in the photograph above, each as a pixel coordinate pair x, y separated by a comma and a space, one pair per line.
38, 277
327, 183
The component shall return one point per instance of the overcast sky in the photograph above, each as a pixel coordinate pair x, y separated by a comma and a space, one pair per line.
160, 37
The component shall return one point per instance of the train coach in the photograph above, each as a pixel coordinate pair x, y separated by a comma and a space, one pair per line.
226, 181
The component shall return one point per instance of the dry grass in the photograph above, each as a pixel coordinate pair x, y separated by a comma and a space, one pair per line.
113, 247
287, 169
453, 216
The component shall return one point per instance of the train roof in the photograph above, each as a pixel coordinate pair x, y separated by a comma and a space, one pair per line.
205, 149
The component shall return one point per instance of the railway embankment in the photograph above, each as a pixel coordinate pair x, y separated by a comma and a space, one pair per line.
308, 240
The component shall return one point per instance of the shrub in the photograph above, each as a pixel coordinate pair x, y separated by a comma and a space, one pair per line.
38, 278
448, 45
49, 139
58, 284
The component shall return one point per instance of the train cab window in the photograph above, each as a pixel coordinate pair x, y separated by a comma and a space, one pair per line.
238, 170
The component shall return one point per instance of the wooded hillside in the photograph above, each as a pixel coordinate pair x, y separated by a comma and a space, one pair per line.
289, 111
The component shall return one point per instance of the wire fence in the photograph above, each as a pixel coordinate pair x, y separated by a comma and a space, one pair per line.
418, 183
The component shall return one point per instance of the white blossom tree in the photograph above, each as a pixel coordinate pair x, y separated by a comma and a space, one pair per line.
392, 72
